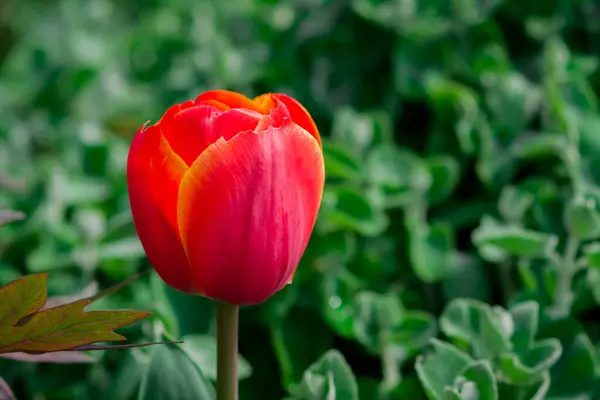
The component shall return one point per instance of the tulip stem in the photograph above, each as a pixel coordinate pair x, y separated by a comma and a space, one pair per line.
227, 351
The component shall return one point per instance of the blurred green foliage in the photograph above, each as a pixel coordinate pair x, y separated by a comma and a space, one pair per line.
457, 252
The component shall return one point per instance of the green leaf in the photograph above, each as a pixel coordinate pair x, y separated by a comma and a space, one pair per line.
593, 281
496, 165
444, 171
457, 103
592, 254
537, 390
476, 325
525, 320
496, 241
381, 320
341, 163
469, 278
463, 390
24, 328
540, 145
125, 383
202, 350
542, 28
348, 209
582, 219
576, 372
372, 317
338, 306
288, 338
476, 382
512, 100
514, 203
328, 378
376, 316
354, 129
398, 171
439, 369
415, 330
481, 374
171, 375
527, 366
431, 249
128, 248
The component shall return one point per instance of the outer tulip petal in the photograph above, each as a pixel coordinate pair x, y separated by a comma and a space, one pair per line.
231, 99
246, 211
161, 243
165, 174
298, 113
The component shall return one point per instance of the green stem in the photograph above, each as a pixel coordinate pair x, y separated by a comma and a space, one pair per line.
227, 351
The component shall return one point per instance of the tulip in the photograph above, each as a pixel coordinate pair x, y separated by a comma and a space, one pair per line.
224, 193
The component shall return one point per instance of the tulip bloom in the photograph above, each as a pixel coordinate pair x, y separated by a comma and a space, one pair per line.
224, 193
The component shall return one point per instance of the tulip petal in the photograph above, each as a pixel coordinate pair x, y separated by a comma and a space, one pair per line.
298, 113
172, 111
190, 131
161, 243
234, 121
246, 210
166, 169
231, 99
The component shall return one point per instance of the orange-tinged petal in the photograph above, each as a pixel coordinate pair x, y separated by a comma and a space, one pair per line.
231, 99
246, 210
217, 104
265, 102
298, 113
161, 243
166, 169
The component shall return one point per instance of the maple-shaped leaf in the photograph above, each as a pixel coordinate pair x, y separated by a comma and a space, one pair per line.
58, 357
26, 327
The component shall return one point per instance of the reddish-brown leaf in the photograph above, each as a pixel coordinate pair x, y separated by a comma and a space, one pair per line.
25, 327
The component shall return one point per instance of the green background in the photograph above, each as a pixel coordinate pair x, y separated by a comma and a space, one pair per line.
462, 143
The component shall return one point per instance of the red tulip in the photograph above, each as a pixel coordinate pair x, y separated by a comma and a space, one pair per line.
225, 192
